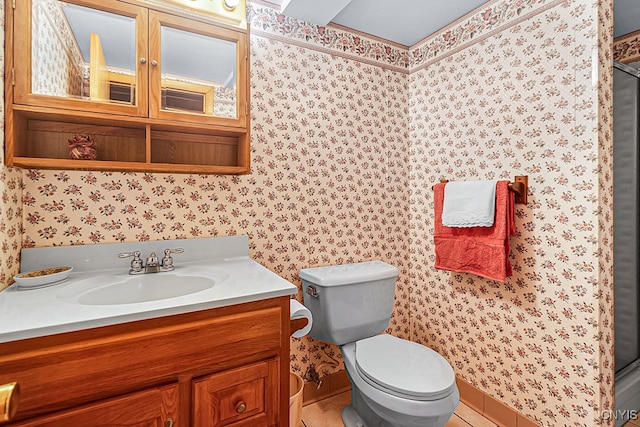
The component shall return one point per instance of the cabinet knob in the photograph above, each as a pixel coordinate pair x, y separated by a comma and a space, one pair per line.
9, 394
143, 60
154, 62
241, 407
168, 422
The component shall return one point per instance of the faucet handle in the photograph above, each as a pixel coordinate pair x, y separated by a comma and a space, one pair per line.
136, 262
173, 251
167, 260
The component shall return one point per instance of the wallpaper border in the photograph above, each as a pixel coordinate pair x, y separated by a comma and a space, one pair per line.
448, 51
626, 49
267, 22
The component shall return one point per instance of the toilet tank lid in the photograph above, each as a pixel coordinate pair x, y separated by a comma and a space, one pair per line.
336, 275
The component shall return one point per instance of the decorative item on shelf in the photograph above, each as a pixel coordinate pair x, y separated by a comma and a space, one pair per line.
82, 147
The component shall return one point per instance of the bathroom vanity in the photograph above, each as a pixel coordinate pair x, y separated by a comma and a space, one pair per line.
214, 357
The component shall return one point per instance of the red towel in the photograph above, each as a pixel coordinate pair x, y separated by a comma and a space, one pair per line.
479, 250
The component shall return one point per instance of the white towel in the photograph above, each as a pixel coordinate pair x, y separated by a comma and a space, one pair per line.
469, 204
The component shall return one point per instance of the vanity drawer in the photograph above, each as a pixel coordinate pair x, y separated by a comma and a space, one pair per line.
240, 397
156, 407
66, 370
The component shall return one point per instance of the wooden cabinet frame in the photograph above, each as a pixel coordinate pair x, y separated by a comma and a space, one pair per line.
139, 137
156, 21
22, 61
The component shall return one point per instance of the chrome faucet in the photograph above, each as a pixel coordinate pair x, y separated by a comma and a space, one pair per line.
152, 263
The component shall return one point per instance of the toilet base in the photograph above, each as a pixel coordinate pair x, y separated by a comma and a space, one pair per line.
364, 413
350, 417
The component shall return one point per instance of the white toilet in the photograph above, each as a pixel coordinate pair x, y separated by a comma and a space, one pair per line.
394, 382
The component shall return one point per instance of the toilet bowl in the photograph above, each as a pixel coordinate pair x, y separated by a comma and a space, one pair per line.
394, 382
403, 383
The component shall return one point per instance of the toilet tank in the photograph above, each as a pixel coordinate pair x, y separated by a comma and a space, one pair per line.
349, 302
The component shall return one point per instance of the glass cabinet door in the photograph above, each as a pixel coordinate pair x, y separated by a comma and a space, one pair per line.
197, 71
82, 54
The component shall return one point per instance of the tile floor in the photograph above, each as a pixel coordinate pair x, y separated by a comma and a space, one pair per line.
326, 413
632, 423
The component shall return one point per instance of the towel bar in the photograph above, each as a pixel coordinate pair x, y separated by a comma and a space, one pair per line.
519, 186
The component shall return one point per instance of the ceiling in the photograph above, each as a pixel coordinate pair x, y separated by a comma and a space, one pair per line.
626, 17
409, 21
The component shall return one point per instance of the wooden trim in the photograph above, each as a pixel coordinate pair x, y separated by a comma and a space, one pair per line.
148, 143
282, 418
102, 119
203, 139
96, 165
122, 78
8, 84
98, 87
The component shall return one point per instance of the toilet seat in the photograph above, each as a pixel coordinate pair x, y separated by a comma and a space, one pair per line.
404, 368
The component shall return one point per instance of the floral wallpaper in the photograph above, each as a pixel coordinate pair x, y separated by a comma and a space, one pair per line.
348, 136
57, 57
224, 102
519, 100
10, 224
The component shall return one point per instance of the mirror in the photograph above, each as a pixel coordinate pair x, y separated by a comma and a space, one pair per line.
200, 78
80, 52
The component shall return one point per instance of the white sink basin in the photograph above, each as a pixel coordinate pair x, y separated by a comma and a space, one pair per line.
131, 289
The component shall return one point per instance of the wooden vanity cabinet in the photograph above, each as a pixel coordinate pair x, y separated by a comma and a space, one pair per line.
226, 366
157, 88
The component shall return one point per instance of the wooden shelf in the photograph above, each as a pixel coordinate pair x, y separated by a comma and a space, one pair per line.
124, 143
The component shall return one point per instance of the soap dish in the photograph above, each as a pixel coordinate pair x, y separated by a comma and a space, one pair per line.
42, 278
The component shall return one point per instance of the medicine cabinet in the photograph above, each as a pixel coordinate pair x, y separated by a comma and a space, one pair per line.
153, 86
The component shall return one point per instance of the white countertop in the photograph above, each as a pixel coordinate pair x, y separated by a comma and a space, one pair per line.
38, 312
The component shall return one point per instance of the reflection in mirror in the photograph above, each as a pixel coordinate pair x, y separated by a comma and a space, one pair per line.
82, 53
198, 73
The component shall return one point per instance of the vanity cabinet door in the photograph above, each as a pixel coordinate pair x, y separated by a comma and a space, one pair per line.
157, 407
84, 55
246, 396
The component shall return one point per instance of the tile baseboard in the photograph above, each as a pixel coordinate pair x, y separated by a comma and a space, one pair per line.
332, 384
491, 408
